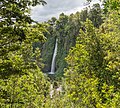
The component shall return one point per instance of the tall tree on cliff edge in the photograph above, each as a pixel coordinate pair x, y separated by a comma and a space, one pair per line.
22, 82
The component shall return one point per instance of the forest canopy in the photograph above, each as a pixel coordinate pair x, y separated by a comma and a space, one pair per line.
87, 64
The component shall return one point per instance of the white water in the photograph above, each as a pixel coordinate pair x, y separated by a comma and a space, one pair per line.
54, 58
54, 91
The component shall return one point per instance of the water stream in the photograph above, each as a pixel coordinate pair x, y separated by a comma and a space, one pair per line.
54, 58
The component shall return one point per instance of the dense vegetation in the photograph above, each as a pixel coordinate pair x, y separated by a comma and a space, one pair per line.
66, 29
22, 84
88, 57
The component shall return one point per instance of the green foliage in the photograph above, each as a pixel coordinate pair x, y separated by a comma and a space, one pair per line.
92, 76
26, 90
110, 45
95, 15
22, 82
17, 11
111, 5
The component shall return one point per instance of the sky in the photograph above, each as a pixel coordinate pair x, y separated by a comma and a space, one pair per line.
56, 7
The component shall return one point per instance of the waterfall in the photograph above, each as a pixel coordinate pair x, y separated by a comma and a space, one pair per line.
53, 59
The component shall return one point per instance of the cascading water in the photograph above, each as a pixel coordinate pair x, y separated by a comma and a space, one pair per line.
53, 59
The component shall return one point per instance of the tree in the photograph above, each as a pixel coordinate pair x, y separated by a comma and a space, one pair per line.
84, 15
111, 5
95, 15
92, 75
22, 82
79, 75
